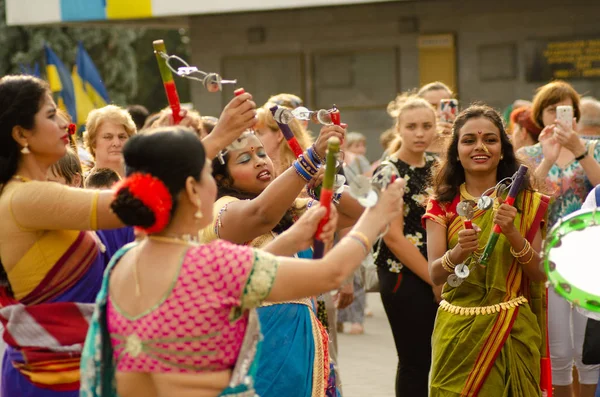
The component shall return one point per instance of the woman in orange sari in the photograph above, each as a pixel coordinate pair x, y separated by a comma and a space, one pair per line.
490, 329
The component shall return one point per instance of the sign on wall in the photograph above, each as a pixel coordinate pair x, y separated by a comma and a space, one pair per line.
562, 59
31, 12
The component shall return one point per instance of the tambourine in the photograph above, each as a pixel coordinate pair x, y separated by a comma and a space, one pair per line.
570, 259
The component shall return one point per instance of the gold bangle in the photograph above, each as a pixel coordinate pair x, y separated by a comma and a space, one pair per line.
362, 237
452, 265
524, 251
447, 263
530, 258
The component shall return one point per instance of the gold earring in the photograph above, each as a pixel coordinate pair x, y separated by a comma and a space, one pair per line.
25, 149
501, 156
198, 215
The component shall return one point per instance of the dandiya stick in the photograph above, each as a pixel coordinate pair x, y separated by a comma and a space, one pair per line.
336, 118
333, 148
167, 79
510, 200
287, 133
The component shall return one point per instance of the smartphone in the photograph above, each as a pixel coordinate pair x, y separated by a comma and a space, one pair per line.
565, 114
448, 110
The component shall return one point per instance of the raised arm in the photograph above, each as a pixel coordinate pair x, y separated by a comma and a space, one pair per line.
244, 220
567, 137
298, 278
261, 214
51, 206
238, 116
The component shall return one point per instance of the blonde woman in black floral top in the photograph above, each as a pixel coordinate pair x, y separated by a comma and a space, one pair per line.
407, 293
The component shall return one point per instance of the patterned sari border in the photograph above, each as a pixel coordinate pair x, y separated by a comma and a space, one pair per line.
318, 378
75, 262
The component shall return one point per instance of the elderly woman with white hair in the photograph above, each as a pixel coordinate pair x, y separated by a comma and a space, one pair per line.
107, 130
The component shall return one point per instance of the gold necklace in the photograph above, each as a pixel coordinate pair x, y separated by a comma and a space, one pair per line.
186, 239
21, 178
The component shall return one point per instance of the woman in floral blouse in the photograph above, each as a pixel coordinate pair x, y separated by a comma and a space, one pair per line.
569, 166
406, 289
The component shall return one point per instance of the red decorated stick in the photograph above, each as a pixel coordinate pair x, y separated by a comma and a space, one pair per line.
333, 148
167, 79
336, 118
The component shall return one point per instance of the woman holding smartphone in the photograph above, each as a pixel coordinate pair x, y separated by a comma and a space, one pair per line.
569, 165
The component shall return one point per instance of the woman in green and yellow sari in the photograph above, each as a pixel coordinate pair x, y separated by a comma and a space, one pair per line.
490, 330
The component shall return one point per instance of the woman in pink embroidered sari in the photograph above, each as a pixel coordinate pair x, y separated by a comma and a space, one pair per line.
176, 317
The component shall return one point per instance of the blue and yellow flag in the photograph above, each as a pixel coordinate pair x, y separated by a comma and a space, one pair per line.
92, 82
60, 82
90, 92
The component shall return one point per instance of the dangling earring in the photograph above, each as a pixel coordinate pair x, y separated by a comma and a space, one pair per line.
198, 215
501, 156
25, 149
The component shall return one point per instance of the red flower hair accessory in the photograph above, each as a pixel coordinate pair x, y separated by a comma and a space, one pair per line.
154, 194
72, 128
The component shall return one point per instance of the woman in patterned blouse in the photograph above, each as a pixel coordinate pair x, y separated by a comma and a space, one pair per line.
406, 288
569, 165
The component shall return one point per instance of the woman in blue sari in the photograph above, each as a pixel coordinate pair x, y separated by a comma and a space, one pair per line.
296, 362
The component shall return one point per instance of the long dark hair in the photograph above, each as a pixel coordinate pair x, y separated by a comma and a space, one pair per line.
20, 100
225, 188
450, 174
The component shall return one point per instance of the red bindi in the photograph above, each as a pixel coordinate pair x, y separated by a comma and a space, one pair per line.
479, 132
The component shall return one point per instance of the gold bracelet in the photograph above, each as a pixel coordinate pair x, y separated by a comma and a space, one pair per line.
530, 258
447, 263
452, 265
523, 251
362, 237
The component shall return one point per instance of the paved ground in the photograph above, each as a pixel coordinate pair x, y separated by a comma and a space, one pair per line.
368, 362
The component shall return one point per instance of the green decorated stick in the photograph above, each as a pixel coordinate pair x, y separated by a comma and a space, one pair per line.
167, 79
333, 148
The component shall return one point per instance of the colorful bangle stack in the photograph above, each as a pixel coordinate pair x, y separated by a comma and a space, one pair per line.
527, 249
362, 239
314, 156
447, 263
305, 167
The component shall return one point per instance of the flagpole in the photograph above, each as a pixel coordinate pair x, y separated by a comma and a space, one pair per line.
167, 79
